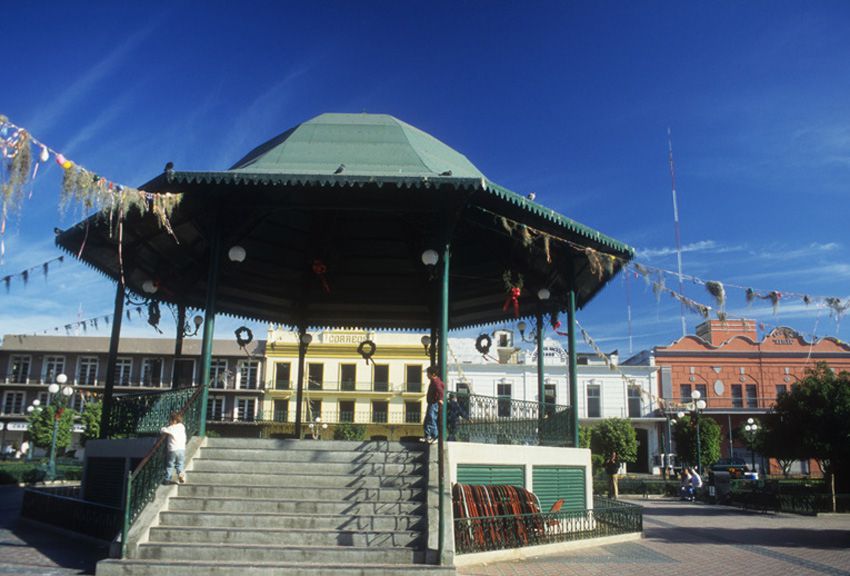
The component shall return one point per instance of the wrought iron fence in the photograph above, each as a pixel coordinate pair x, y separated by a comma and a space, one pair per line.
607, 518
500, 420
148, 475
143, 414
62, 506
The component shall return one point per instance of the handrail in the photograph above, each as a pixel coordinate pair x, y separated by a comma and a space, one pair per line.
144, 413
146, 477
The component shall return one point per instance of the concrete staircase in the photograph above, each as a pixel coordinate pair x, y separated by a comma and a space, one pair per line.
302, 508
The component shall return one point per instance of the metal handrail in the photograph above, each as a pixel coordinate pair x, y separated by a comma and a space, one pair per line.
144, 413
146, 477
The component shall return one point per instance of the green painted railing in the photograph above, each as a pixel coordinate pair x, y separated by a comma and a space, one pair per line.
608, 518
148, 475
143, 414
61, 506
494, 420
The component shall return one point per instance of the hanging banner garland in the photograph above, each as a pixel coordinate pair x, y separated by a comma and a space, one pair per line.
86, 189
25, 274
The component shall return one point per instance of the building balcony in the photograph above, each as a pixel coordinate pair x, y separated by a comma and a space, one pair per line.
722, 403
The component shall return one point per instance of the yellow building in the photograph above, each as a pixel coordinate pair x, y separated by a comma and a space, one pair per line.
383, 393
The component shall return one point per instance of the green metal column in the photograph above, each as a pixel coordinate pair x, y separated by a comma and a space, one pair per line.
117, 317
541, 389
444, 354
571, 327
178, 344
209, 324
299, 390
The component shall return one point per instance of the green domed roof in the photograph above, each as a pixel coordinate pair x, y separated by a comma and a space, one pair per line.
356, 145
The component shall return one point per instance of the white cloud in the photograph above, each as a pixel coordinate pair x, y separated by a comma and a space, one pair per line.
701, 246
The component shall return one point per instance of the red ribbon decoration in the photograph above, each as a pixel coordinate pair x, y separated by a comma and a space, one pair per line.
513, 298
555, 325
319, 269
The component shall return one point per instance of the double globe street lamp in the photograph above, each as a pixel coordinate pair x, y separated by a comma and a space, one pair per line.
750, 429
697, 405
67, 392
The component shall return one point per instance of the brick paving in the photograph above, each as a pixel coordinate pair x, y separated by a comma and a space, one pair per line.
29, 550
686, 538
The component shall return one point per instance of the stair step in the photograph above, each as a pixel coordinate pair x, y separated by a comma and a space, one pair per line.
196, 568
198, 489
287, 455
257, 505
272, 553
322, 445
294, 521
287, 536
279, 467
243, 478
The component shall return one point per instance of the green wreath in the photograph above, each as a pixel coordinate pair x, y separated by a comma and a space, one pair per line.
244, 336
367, 350
483, 343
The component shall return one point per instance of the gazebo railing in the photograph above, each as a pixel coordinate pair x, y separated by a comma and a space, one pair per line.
483, 419
144, 413
486, 533
500, 420
147, 476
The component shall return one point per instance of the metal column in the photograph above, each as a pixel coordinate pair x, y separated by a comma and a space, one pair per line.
573, 369
209, 324
117, 317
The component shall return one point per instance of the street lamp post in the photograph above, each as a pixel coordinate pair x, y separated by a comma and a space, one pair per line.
750, 429
667, 463
698, 406
67, 391
34, 407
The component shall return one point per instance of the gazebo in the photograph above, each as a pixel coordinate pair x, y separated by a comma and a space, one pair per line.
351, 220
332, 218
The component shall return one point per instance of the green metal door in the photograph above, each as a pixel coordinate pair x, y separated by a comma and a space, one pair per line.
491, 475
551, 483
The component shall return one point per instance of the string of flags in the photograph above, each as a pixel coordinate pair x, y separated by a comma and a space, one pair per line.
601, 263
94, 323
27, 274
22, 157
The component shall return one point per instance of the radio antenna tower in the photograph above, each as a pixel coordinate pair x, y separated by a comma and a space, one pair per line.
676, 225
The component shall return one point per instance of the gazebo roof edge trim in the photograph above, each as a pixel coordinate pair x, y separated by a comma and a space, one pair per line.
558, 218
276, 179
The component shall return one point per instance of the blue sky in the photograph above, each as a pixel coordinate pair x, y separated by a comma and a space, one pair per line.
570, 100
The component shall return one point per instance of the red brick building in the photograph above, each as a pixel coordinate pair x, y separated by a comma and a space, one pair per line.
739, 375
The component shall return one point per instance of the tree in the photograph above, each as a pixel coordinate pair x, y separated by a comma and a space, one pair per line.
818, 411
615, 440
90, 419
685, 434
779, 438
41, 426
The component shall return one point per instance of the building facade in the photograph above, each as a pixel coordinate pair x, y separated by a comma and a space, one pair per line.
511, 373
738, 374
29, 364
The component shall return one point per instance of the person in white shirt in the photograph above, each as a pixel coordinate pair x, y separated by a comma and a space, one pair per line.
696, 483
176, 448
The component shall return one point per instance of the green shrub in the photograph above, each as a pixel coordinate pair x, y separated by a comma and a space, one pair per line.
347, 431
32, 472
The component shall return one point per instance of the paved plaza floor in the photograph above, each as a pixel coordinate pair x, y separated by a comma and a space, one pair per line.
682, 538
27, 550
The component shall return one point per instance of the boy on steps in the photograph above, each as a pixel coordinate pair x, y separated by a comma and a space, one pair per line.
176, 447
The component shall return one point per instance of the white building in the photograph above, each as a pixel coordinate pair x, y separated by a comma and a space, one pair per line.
510, 371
